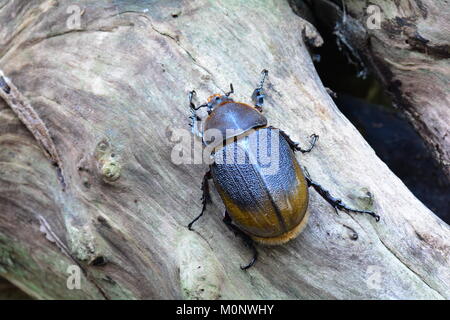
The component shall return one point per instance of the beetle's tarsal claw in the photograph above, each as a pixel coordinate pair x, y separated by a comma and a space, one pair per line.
249, 242
314, 137
190, 225
250, 264
343, 207
373, 214
247, 266
255, 256
193, 221
191, 96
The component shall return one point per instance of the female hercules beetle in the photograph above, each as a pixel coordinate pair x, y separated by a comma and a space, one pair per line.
269, 208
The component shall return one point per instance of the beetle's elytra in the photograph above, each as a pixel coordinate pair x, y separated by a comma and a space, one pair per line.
269, 205
265, 201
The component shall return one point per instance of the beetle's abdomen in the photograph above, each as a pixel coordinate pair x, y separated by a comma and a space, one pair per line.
261, 184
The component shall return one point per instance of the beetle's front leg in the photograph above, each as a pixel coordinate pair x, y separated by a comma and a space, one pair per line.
247, 239
206, 198
258, 95
195, 119
335, 202
294, 145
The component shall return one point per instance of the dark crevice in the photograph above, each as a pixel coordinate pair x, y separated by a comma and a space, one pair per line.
365, 103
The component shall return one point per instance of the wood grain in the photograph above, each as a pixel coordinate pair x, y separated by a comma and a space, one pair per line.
115, 91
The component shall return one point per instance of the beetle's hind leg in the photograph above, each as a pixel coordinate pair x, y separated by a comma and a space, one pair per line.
295, 146
206, 198
335, 202
258, 95
247, 239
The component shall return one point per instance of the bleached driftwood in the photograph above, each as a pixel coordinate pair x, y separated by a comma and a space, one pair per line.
113, 93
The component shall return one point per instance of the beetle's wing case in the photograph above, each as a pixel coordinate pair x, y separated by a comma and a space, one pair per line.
266, 201
235, 117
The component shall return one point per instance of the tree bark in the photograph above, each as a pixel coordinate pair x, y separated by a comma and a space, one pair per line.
409, 52
91, 182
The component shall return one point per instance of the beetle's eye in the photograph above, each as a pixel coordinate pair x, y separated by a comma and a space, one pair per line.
217, 98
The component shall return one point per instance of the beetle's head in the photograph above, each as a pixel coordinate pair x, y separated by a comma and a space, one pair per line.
217, 99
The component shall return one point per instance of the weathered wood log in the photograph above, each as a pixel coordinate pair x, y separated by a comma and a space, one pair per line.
113, 96
10, 292
408, 50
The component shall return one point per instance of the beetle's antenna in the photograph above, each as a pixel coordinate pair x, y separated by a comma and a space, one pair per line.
231, 90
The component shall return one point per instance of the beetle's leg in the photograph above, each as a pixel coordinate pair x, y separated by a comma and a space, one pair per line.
206, 198
258, 96
247, 239
335, 202
192, 105
194, 124
195, 119
294, 145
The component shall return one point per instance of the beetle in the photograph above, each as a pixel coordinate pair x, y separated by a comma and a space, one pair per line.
261, 206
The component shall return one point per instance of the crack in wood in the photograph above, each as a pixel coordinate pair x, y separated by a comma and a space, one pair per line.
20, 105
